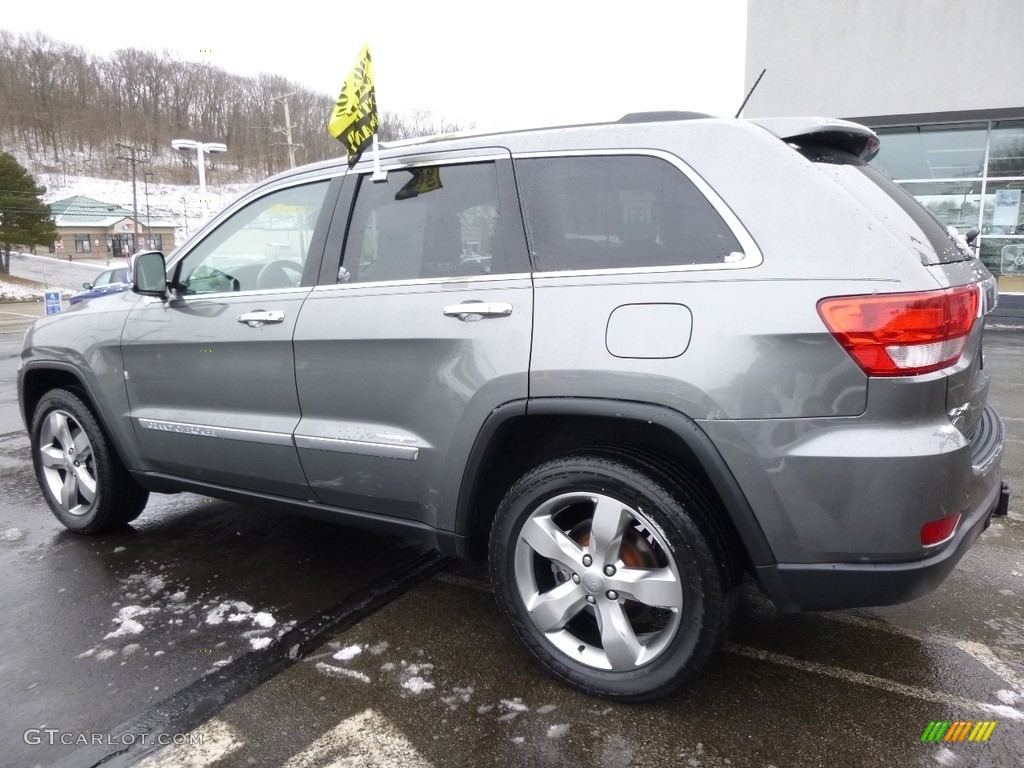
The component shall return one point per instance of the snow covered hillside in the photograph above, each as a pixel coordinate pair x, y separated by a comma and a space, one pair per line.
177, 203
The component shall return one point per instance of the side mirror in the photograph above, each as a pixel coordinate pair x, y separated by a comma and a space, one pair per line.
149, 274
971, 235
87, 286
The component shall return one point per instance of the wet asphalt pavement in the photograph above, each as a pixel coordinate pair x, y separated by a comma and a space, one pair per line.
184, 627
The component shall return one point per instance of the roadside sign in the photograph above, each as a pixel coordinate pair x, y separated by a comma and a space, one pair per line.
53, 306
59, 245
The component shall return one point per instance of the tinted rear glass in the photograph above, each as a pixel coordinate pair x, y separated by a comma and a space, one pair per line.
618, 211
897, 209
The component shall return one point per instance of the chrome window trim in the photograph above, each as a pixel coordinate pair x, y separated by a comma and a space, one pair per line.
752, 256
459, 279
744, 264
224, 433
359, 447
454, 157
192, 297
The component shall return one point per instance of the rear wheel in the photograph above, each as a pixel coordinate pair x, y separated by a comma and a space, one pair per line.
82, 478
606, 574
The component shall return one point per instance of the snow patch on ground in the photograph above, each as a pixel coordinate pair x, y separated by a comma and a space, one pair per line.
417, 685
383, 665
341, 672
1007, 713
946, 756
11, 534
218, 614
148, 601
263, 619
126, 621
349, 653
558, 731
19, 292
1009, 698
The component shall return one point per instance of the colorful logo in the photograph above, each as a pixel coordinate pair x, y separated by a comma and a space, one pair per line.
958, 730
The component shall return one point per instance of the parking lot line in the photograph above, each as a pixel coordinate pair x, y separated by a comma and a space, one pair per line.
367, 740
986, 656
873, 681
212, 741
16, 314
979, 651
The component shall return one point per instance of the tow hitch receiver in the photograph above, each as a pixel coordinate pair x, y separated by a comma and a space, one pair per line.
1003, 507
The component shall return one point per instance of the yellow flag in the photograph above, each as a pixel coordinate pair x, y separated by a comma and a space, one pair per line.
353, 121
423, 180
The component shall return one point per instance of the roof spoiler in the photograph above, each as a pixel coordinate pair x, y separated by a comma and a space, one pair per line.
832, 132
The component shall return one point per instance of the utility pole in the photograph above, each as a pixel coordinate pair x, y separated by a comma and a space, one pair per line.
184, 214
134, 156
287, 130
149, 219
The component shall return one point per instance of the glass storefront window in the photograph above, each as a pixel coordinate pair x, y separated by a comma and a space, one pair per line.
1003, 208
1003, 255
1006, 154
932, 152
954, 203
943, 166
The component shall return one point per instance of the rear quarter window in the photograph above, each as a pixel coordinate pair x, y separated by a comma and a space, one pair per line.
618, 211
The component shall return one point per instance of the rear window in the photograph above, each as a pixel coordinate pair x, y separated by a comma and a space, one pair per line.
618, 211
897, 209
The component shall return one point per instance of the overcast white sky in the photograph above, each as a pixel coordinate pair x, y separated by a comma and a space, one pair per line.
507, 64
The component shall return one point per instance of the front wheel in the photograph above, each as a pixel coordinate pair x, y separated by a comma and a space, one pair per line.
607, 575
81, 476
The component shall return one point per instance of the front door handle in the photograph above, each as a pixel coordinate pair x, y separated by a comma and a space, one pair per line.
471, 311
260, 317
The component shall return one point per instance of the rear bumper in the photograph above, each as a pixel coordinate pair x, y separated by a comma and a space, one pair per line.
835, 586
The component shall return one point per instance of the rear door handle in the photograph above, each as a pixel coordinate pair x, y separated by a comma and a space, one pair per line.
260, 317
471, 311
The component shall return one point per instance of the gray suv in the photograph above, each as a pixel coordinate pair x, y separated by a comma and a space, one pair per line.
627, 363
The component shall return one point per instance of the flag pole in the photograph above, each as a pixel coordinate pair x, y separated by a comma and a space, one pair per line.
378, 174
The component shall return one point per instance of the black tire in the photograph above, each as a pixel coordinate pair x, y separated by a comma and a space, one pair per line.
81, 476
631, 612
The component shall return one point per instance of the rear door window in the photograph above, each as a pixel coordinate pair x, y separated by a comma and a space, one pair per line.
619, 211
427, 222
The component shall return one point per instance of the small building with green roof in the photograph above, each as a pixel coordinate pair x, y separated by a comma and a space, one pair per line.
92, 229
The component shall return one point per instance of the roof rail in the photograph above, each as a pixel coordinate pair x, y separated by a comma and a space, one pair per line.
662, 116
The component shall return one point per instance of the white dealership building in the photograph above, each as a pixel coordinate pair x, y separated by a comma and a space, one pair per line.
941, 82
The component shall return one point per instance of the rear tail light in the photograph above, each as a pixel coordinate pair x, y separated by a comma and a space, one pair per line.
939, 531
903, 334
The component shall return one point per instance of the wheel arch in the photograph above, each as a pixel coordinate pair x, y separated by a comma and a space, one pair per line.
521, 435
39, 377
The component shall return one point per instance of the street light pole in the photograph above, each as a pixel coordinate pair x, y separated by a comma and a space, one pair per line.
201, 148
